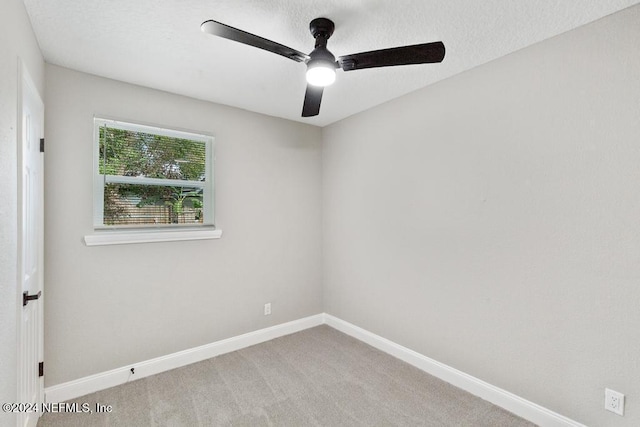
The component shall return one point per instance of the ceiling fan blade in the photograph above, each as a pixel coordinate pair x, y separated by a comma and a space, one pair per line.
312, 98
221, 30
416, 54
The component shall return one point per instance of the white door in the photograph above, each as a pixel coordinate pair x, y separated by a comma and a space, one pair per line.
30, 248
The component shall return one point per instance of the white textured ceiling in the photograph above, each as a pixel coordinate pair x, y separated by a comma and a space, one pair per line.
159, 44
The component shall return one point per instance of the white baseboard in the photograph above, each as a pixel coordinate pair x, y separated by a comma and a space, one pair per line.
80, 387
509, 401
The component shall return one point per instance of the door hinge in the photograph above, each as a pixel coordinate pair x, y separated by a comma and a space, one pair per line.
42, 145
41, 369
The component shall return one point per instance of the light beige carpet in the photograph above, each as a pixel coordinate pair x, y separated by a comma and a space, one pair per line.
315, 377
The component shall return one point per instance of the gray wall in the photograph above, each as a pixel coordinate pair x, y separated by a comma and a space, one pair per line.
110, 306
16, 41
491, 221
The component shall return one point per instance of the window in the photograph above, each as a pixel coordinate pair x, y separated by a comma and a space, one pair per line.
150, 178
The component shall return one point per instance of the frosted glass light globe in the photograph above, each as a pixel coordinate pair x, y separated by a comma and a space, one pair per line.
321, 73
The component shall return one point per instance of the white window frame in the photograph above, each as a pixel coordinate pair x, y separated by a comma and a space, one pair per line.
123, 234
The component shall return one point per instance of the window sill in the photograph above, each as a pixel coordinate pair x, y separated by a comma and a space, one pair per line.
113, 237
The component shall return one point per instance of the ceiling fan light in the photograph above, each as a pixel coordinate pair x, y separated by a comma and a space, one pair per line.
321, 73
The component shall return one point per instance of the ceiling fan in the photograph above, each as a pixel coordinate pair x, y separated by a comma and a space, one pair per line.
321, 64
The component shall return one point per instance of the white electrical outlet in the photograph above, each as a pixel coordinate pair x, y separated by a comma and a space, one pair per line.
267, 309
614, 401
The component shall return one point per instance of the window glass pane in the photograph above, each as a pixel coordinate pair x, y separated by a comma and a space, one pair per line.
148, 176
128, 204
140, 154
